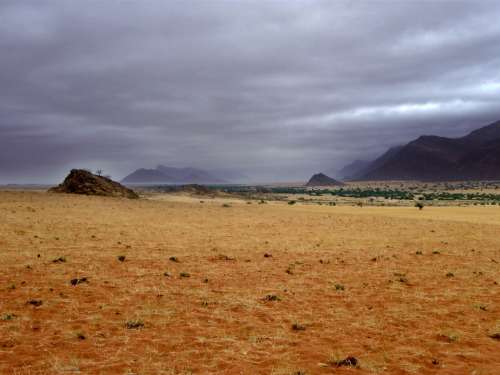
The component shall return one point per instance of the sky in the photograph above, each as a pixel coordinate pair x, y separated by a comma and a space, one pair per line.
277, 90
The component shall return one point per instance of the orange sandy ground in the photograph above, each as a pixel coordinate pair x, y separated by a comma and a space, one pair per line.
399, 311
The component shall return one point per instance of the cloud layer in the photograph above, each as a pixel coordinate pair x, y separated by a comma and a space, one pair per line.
276, 89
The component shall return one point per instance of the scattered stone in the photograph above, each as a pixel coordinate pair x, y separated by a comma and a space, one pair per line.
495, 336
35, 302
298, 327
78, 281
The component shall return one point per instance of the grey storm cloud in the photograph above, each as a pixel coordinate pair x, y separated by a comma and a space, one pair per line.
275, 89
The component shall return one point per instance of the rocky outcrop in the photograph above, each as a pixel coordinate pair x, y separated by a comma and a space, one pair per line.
80, 181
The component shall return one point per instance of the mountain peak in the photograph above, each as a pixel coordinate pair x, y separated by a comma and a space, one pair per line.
321, 179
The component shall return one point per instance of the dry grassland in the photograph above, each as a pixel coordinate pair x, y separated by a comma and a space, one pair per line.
403, 291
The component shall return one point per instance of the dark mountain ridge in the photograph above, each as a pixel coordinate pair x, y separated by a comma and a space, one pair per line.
476, 156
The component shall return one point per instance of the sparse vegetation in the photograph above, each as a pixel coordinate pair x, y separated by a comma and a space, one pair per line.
297, 284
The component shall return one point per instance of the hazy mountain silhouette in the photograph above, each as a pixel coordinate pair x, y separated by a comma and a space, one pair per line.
353, 170
171, 175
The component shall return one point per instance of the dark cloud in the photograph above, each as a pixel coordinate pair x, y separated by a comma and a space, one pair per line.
275, 89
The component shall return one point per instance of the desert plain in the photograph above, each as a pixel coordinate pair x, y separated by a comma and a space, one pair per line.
186, 285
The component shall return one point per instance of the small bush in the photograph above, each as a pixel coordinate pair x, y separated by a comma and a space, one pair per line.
8, 317
121, 258
339, 287
134, 324
348, 362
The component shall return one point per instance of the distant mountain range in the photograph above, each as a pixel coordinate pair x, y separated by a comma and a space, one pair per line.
170, 175
321, 179
475, 156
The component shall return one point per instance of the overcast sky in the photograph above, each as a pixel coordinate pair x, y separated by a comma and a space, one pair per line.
276, 89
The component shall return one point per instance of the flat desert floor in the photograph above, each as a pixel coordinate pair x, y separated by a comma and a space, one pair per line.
245, 289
